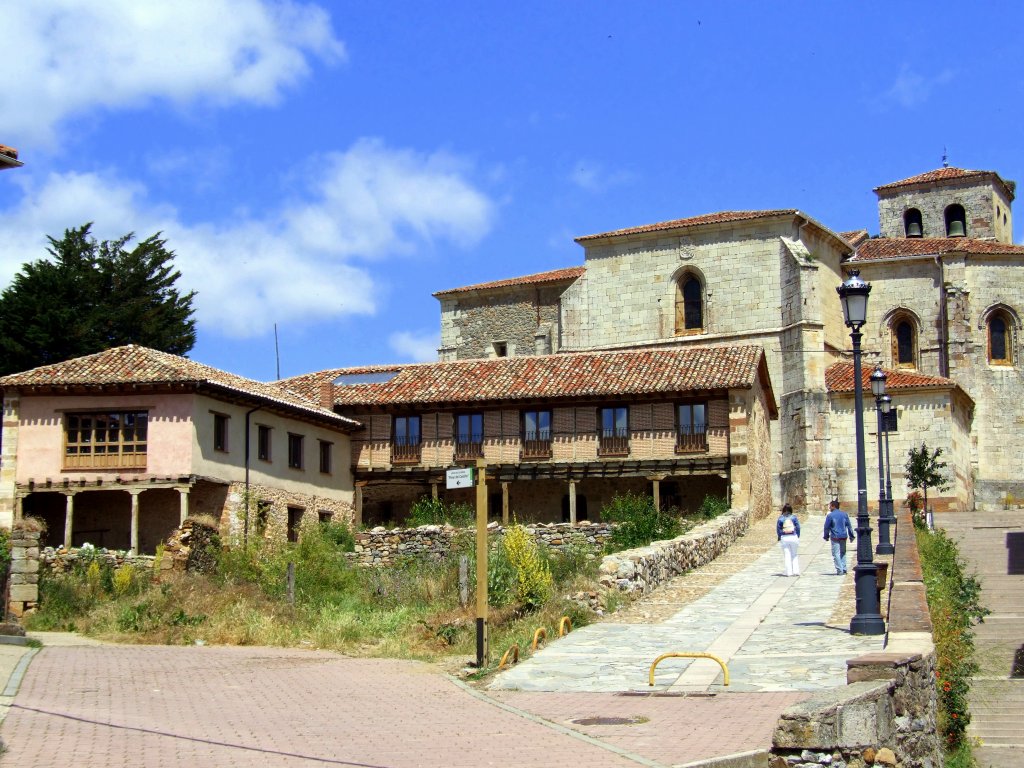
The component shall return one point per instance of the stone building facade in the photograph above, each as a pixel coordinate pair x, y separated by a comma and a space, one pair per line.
948, 292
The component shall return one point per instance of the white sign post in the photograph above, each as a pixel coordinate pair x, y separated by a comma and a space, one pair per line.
459, 478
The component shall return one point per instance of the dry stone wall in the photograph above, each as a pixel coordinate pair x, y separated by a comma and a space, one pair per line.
24, 589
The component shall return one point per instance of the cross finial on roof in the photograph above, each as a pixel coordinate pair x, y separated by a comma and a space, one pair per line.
945, 158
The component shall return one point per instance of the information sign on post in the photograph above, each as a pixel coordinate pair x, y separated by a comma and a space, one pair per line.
459, 478
482, 640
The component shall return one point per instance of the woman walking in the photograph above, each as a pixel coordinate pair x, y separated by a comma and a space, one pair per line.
787, 529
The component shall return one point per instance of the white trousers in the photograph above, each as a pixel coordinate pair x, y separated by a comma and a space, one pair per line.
789, 553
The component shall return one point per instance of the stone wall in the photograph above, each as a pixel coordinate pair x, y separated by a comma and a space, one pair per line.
24, 589
382, 546
985, 204
638, 571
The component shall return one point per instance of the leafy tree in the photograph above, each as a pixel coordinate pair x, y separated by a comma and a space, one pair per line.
89, 296
924, 471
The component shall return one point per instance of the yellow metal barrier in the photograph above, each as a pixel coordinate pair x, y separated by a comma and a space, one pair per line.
514, 650
566, 621
697, 655
540, 634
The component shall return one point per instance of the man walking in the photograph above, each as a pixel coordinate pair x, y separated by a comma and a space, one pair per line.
839, 529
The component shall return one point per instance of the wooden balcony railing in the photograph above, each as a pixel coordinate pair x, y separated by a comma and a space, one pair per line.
692, 441
613, 442
537, 448
405, 453
469, 447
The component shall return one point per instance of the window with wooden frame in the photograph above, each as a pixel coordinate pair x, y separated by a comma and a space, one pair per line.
406, 439
689, 305
613, 431
536, 434
691, 427
294, 522
1000, 339
295, 451
469, 435
220, 432
263, 442
904, 342
106, 440
326, 450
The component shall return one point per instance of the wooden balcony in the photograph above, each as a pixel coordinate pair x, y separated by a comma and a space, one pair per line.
692, 441
468, 447
537, 448
406, 453
613, 442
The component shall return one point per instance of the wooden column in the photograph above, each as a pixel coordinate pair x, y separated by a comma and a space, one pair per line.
433, 491
504, 503
357, 502
183, 504
69, 519
656, 492
572, 502
135, 521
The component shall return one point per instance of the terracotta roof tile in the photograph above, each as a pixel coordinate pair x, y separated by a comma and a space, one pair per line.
947, 174
839, 378
554, 276
693, 221
133, 364
894, 247
11, 152
587, 374
854, 237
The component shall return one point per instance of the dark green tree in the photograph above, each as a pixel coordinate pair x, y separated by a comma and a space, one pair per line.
89, 296
924, 471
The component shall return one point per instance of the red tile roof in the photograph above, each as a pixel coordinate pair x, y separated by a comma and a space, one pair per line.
133, 364
948, 174
854, 237
839, 378
554, 276
561, 376
894, 247
693, 221
11, 152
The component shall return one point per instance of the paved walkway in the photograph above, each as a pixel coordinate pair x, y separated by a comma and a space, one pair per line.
225, 706
773, 632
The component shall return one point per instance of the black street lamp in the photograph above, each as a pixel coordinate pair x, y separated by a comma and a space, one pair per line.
878, 390
868, 620
890, 514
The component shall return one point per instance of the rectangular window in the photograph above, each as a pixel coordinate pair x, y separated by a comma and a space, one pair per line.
325, 457
220, 432
536, 434
263, 442
295, 450
406, 440
294, 522
469, 435
890, 423
324, 516
613, 431
262, 515
691, 427
112, 439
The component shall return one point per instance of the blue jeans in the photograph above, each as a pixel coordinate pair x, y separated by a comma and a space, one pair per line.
839, 554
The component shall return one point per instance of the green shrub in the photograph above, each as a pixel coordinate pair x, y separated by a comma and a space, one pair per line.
5, 552
577, 558
954, 604
712, 507
429, 511
339, 534
638, 522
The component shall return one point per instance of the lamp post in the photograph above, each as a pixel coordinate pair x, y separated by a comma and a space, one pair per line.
890, 515
868, 620
878, 390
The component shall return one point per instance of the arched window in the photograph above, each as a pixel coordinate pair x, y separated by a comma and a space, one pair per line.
956, 221
1000, 339
903, 336
689, 305
912, 225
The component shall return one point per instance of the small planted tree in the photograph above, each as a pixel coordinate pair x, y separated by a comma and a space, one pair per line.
924, 471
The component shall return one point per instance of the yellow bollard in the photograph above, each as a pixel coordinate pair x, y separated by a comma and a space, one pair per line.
696, 655
540, 634
565, 622
514, 650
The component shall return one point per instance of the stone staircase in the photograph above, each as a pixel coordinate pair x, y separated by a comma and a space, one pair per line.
992, 545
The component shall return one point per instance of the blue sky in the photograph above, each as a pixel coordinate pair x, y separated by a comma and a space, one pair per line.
328, 166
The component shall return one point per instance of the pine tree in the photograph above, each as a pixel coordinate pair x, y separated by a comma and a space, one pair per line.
89, 296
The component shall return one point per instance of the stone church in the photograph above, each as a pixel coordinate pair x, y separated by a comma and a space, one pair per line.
944, 324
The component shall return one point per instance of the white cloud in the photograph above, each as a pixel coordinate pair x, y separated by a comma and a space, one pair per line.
590, 176
417, 346
73, 56
370, 202
911, 88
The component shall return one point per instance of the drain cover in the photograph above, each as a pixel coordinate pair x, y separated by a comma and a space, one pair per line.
609, 720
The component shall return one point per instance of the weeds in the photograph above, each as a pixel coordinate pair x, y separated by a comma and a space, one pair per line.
639, 523
429, 511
